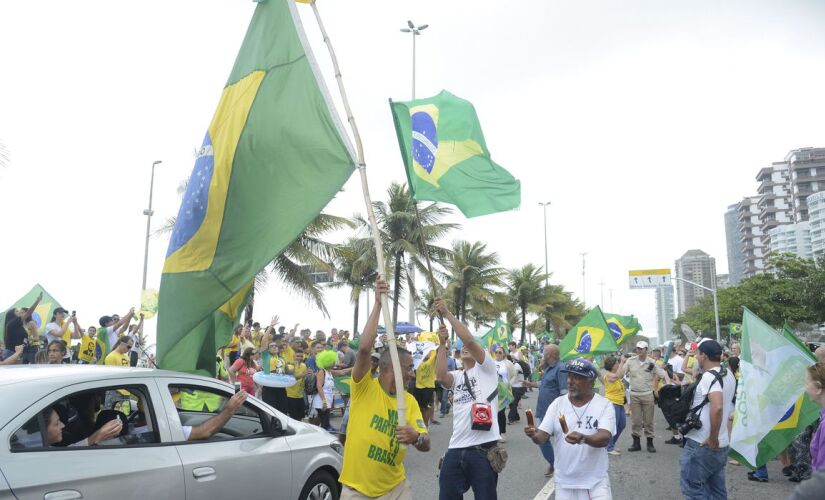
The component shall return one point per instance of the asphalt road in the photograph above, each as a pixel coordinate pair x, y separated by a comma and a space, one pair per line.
632, 475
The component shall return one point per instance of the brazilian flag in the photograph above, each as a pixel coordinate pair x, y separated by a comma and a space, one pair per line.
500, 334
342, 383
274, 155
590, 336
622, 327
447, 159
42, 313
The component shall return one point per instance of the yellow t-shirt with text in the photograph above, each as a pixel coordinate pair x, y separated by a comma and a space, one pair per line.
425, 375
373, 458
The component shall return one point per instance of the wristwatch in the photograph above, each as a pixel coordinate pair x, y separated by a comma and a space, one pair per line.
420, 440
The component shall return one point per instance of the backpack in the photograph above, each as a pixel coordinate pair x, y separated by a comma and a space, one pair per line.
309, 383
676, 404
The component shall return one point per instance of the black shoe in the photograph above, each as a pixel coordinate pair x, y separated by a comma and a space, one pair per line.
650, 447
788, 470
673, 440
794, 478
753, 477
637, 444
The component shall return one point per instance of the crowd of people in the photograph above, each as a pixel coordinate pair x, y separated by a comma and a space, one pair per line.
582, 405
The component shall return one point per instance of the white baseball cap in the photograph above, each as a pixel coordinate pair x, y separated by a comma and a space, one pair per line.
641, 344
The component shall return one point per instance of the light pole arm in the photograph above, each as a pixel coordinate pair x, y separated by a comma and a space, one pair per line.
715, 304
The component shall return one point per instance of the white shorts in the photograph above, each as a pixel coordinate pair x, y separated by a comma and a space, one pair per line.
599, 492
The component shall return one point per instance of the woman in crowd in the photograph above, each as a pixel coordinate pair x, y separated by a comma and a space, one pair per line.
243, 369
276, 396
55, 352
614, 391
815, 387
506, 371
322, 401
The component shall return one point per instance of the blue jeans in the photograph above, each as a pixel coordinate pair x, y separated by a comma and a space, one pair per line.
703, 472
547, 451
445, 403
621, 422
465, 468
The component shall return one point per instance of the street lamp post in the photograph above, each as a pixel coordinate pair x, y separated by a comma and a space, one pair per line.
415, 31
584, 296
715, 304
546, 268
148, 213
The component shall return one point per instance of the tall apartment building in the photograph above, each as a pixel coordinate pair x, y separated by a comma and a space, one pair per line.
733, 236
807, 168
754, 247
774, 200
792, 238
664, 313
816, 221
698, 267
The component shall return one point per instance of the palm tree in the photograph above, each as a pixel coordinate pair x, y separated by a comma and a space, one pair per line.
403, 237
471, 276
525, 287
308, 251
560, 310
357, 270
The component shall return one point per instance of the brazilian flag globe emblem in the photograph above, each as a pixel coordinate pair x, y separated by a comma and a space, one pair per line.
446, 157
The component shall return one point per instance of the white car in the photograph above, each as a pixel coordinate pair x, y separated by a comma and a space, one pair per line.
258, 453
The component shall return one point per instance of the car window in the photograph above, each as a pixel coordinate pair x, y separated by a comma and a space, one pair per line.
76, 420
196, 405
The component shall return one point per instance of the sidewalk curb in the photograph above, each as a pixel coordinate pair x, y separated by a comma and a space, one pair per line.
549, 489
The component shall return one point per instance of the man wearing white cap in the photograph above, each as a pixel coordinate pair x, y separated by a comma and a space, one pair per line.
643, 374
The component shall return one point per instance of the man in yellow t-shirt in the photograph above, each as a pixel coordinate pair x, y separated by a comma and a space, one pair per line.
425, 387
375, 451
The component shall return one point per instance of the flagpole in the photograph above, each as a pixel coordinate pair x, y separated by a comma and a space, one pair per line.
376, 237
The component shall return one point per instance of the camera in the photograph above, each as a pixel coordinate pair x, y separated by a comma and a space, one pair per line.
482, 417
691, 422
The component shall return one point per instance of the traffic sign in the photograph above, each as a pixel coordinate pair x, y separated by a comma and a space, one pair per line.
649, 278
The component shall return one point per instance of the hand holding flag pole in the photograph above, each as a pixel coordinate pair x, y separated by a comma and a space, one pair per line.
379, 250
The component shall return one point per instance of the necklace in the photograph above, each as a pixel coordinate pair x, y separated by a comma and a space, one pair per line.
578, 416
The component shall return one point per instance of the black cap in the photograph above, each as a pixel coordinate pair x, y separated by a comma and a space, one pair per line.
105, 319
58, 310
710, 348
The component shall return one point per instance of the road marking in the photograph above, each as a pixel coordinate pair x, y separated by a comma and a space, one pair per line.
549, 488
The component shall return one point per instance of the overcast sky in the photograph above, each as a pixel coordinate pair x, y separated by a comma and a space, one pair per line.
641, 121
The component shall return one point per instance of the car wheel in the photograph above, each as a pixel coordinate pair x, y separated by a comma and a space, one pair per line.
321, 486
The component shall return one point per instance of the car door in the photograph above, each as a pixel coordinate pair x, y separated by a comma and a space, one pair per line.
35, 470
242, 456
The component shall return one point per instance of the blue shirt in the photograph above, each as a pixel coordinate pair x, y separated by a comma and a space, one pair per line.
311, 365
553, 384
451, 366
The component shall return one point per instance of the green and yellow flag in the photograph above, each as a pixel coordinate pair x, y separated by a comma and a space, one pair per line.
42, 313
272, 158
499, 334
589, 337
447, 159
772, 407
622, 327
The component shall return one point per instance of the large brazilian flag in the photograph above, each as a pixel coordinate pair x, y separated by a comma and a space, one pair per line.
622, 327
447, 159
42, 313
272, 158
590, 336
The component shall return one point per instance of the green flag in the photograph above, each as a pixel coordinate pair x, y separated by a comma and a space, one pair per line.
622, 327
500, 334
447, 159
342, 383
772, 407
42, 313
589, 337
272, 158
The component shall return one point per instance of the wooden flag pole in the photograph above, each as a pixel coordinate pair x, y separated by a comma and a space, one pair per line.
376, 236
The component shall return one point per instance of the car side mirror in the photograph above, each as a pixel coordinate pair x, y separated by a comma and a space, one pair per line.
276, 429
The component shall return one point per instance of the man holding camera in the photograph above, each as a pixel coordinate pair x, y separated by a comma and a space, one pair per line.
473, 448
643, 374
704, 456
